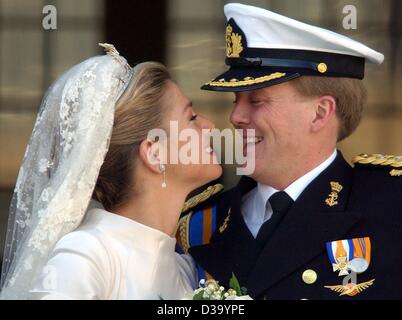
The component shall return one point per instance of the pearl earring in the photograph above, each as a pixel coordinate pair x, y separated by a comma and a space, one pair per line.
162, 168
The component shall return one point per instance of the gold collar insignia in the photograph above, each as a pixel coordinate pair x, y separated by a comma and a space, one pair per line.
332, 198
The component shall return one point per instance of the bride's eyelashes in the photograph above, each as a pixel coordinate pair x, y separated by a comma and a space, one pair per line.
193, 117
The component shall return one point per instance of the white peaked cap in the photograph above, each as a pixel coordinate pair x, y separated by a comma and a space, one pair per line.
266, 29
264, 48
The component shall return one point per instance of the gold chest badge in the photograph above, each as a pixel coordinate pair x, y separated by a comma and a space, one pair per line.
351, 289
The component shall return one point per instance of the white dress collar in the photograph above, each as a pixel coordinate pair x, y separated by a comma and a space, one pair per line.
123, 228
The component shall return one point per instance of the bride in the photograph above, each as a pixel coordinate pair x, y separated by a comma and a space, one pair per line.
95, 207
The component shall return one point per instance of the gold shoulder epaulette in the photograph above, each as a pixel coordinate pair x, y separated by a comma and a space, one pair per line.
205, 195
386, 161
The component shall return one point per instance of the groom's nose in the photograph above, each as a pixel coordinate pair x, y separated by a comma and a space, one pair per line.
240, 115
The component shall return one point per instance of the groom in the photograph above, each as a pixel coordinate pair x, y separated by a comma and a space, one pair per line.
305, 225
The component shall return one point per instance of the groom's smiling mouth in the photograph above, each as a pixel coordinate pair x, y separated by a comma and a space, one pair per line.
252, 140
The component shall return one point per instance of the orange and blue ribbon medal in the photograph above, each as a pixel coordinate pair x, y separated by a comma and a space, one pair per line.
349, 255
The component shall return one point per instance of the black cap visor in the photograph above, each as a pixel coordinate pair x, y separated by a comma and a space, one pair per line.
248, 78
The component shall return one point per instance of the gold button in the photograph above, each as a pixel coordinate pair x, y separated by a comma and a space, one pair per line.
309, 276
322, 67
233, 80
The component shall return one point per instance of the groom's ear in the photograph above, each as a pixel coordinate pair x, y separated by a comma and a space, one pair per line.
150, 155
324, 111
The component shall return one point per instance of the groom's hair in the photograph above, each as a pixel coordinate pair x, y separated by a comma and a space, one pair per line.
138, 110
350, 96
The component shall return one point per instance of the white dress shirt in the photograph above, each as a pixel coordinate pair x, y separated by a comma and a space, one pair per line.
256, 208
112, 257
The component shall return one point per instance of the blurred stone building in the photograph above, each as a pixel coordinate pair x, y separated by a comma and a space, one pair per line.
188, 36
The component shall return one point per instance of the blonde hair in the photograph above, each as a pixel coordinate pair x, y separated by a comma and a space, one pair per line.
350, 96
138, 110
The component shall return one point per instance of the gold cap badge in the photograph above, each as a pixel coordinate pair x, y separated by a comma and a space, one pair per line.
233, 43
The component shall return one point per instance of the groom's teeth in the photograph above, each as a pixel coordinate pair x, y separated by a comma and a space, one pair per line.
254, 140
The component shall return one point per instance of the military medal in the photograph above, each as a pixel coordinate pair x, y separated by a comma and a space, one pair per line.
358, 265
351, 255
339, 254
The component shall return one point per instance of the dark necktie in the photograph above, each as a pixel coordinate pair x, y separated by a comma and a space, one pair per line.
280, 203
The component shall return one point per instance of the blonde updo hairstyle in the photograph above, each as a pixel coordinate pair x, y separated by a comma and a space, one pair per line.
138, 110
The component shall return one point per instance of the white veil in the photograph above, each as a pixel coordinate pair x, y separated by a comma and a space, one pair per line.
61, 165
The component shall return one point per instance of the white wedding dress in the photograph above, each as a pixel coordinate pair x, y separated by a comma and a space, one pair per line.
112, 257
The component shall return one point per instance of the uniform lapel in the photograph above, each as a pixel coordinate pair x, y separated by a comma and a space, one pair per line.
234, 249
308, 225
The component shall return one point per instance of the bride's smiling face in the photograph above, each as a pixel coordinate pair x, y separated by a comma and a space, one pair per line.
191, 160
